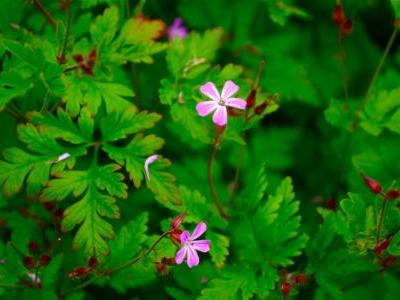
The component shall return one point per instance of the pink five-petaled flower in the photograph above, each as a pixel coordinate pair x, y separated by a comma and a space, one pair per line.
177, 30
191, 246
219, 102
147, 162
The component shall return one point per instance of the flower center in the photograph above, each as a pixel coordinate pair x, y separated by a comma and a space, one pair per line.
221, 102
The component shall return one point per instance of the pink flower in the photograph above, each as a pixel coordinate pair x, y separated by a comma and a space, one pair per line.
177, 30
149, 161
191, 246
219, 102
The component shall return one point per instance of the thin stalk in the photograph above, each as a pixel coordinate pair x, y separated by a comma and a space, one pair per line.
138, 258
119, 268
380, 65
214, 195
381, 218
67, 32
377, 71
39, 6
342, 59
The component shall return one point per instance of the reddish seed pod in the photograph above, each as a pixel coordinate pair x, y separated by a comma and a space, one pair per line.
286, 288
251, 98
382, 246
392, 194
48, 205
177, 221
175, 236
79, 272
388, 262
3, 223
346, 28
301, 279
58, 213
33, 247
338, 15
44, 260
373, 185
260, 108
29, 261
331, 204
92, 262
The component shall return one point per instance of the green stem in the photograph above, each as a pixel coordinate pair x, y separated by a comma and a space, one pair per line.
378, 69
381, 218
214, 195
67, 32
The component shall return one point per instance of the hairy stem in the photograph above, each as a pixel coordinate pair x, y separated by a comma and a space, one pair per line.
381, 218
39, 6
214, 195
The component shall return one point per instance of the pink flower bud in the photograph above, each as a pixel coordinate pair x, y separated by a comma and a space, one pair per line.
177, 221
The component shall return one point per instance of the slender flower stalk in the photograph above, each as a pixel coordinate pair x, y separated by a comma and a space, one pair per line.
214, 194
45, 13
376, 73
381, 218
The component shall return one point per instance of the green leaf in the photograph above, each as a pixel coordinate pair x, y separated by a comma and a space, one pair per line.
219, 248
12, 85
133, 156
128, 241
118, 125
396, 7
88, 93
89, 212
104, 28
394, 247
62, 126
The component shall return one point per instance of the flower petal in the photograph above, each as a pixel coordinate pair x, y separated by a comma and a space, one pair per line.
229, 89
206, 107
149, 161
210, 91
184, 236
199, 230
236, 103
192, 257
180, 255
220, 116
202, 245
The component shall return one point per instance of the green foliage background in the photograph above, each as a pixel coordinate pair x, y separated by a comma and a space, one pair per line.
327, 121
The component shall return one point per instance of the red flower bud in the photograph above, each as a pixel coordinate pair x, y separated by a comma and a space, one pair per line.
48, 205
177, 221
331, 204
382, 246
260, 108
392, 194
92, 263
92, 57
338, 15
29, 261
251, 98
286, 288
58, 213
44, 260
33, 246
373, 185
346, 28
